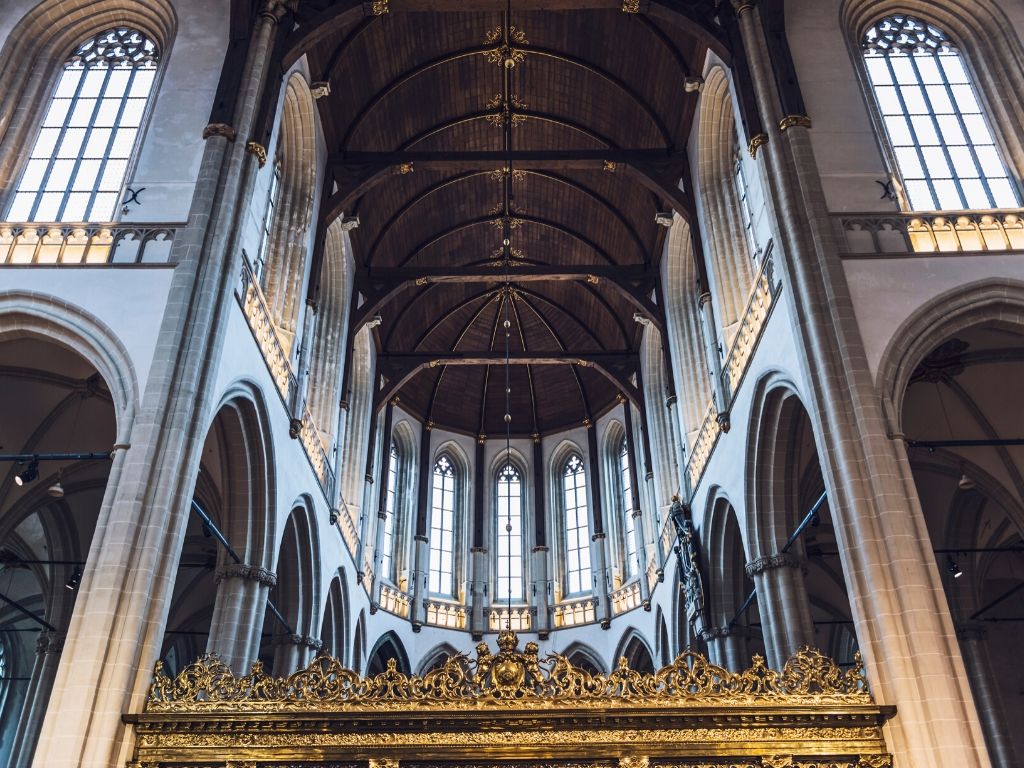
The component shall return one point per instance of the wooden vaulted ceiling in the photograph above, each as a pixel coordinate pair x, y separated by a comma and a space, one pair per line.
418, 156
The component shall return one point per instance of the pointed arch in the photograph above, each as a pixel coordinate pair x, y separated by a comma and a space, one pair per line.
387, 648
634, 649
584, 657
334, 626
298, 591
436, 657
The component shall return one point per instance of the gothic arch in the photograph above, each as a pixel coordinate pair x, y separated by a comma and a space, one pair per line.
634, 649
662, 436
298, 592
36, 50
387, 648
436, 657
584, 657
358, 405
334, 626
717, 157
288, 240
405, 495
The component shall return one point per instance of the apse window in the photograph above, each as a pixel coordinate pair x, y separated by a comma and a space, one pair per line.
943, 147
628, 523
77, 167
388, 544
509, 517
442, 529
577, 526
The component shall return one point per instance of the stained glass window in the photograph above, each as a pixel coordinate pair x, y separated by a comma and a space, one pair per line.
77, 166
509, 512
944, 149
442, 529
577, 526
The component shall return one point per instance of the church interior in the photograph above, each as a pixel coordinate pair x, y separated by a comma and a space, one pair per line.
511, 383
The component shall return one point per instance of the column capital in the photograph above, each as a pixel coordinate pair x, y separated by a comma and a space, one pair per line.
248, 572
715, 633
771, 562
50, 642
742, 6
306, 641
219, 129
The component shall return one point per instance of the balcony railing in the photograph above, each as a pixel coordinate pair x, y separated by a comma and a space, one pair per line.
941, 232
444, 614
575, 612
626, 598
62, 243
755, 315
516, 619
349, 534
257, 314
393, 601
703, 445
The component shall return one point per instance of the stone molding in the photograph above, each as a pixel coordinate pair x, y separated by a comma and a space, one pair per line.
50, 642
771, 562
245, 571
306, 641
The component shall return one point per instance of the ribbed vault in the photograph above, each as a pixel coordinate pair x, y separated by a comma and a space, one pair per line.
443, 152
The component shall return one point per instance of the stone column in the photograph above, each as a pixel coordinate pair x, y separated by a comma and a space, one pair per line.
727, 647
117, 628
238, 611
540, 554
900, 610
478, 570
642, 554
972, 636
599, 541
294, 652
48, 650
420, 543
382, 501
785, 611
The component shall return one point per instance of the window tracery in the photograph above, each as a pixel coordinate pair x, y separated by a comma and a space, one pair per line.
943, 147
442, 529
577, 525
509, 514
78, 163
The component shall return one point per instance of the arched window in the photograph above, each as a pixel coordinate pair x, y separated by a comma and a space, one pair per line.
743, 193
442, 528
509, 519
942, 144
259, 267
78, 163
388, 545
577, 526
628, 532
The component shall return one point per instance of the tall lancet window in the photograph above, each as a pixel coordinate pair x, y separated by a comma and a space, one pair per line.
628, 530
389, 519
944, 149
509, 512
78, 163
577, 526
442, 529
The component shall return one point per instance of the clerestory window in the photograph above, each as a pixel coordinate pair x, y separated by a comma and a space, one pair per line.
509, 534
442, 529
389, 517
628, 530
944, 149
78, 163
577, 526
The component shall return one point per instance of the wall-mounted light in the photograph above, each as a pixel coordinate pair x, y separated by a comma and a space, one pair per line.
29, 474
953, 567
75, 580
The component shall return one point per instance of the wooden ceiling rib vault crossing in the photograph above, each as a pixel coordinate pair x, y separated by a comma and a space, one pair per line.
453, 127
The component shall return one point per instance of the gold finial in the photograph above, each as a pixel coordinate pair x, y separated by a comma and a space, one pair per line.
631, 6
379, 7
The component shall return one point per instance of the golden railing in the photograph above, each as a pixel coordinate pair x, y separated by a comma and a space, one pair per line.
257, 314
516, 708
79, 243
572, 613
938, 232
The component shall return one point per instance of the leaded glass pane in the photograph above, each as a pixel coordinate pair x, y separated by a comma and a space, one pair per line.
388, 545
91, 100
946, 153
509, 520
442, 534
577, 526
629, 532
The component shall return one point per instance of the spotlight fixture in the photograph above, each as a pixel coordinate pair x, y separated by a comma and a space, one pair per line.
333, 516
966, 482
74, 581
953, 567
29, 474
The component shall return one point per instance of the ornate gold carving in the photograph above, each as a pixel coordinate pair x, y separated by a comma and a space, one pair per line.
790, 120
379, 7
219, 129
500, 174
637, 761
510, 675
405, 168
505, 114
505, 54
757, 141
631, 6
609, 166
874, 761
383, 763
258, 151
777, 761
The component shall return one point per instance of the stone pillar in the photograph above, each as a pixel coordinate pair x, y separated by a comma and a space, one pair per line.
117, 627
294, 652
418, 586
900, 610
599, 541
642, 555
785, 611
727, 647
972, 636
478, 571
238, 611
540, 554
48, 650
